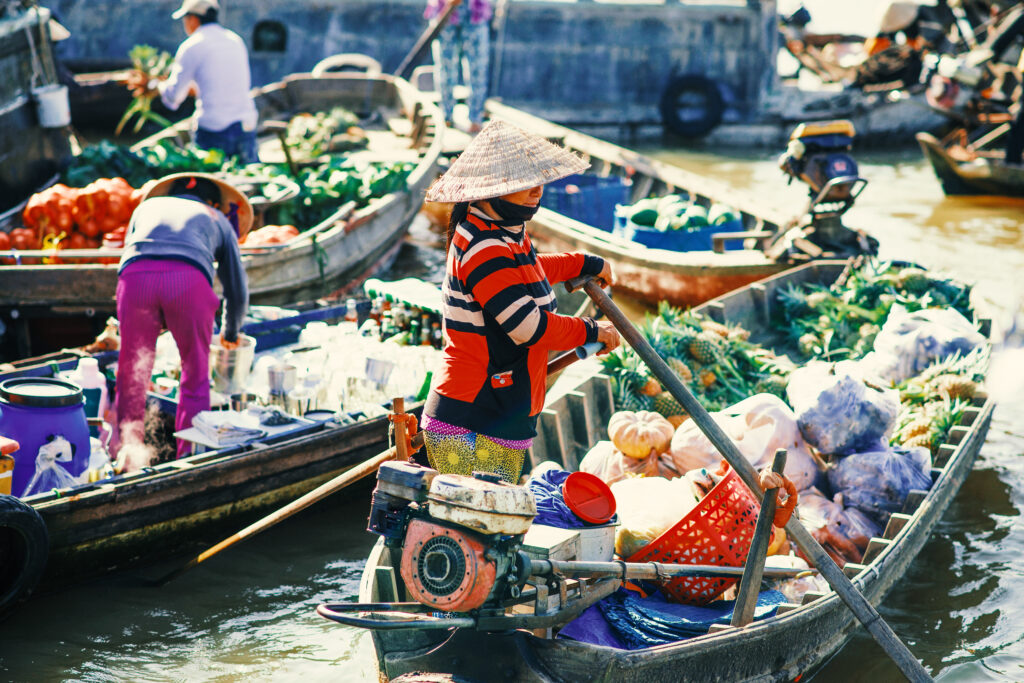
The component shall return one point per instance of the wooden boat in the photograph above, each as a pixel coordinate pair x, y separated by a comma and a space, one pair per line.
346, 248
683, 278
779, 648
109, 524
967, 169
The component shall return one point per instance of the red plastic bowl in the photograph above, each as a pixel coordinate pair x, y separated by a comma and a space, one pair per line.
588, 497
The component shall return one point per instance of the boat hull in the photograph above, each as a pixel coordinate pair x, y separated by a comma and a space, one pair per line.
780, 648
986, 177
343, 253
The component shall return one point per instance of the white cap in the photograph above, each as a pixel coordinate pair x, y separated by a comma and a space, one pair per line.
197, 7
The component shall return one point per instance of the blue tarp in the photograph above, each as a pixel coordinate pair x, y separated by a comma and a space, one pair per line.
626, 621
546, 488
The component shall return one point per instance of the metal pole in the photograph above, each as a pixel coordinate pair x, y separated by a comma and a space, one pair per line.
908, 665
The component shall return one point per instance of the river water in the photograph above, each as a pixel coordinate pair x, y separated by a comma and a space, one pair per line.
248, 613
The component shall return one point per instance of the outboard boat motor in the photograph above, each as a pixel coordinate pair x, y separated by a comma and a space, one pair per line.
818, 155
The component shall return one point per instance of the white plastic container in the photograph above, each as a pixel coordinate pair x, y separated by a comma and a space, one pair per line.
52, 105
87, 375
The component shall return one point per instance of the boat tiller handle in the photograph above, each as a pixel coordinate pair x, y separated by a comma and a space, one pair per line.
378, 616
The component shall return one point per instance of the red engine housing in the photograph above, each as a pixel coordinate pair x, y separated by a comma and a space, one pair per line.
445, 568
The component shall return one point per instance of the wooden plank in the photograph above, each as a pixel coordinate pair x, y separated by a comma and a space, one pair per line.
581, 423
852, 569
786, 608
875, 547
943, 454
387, 586
897, 521
811, 596
913, 501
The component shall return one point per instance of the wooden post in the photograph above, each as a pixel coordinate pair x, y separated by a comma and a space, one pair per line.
750, 584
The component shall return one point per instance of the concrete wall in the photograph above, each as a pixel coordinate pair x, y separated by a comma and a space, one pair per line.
572, 61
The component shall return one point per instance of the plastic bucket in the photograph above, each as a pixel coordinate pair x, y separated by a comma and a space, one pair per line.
52, 105
44, 411
229, 368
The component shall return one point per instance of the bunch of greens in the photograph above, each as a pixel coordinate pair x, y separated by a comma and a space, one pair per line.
310, 136
841, 321
153, 64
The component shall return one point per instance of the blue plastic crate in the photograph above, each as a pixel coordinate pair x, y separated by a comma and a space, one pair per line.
675, 240
589, 199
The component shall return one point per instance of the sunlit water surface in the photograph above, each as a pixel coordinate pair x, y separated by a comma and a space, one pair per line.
248, 613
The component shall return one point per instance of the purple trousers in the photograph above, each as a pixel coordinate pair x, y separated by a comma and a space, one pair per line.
154, 294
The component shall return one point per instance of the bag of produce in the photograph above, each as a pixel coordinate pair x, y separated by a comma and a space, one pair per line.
611, 465
647, 506
758, 426
877, 482
838, 413
910, 342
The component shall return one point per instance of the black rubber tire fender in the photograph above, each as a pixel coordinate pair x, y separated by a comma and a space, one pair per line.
24, 548
699, 97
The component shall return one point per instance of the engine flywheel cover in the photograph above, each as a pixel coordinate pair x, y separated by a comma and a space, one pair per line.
445, 568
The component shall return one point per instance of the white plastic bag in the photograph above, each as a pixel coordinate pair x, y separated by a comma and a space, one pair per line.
647, 507
609, 464
910, 342
758, 426
837, 412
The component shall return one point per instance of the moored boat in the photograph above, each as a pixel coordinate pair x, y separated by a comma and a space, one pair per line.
655, 274
781, 647
344, 248
110, 523
965, 170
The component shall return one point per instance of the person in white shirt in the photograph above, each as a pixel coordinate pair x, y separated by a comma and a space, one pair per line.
213, 61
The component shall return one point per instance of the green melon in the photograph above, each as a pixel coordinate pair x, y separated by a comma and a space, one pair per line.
645, 217
722, 213
696, 216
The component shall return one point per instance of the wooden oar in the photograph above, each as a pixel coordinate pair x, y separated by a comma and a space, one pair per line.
347, 477
423, 42
858, 604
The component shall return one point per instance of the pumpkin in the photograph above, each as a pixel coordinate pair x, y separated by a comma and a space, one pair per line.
637, 434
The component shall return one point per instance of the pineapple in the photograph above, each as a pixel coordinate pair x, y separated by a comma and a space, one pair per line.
926, 440
651, 387
666, 405
707, 378
916, 428
816, 299
773, 384
739, 334
715, 327
680, 367
705, 347
808, 343
955, 387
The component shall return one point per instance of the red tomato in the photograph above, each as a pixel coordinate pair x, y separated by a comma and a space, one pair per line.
89, 227
5, 241
92, 243
19, 240
76, 241
109, 223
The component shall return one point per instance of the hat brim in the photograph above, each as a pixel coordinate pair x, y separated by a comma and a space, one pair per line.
228, 196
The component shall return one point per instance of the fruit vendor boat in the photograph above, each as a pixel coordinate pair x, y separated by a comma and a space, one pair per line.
511, 636
65, 535
349, 242
754, 244
965, 169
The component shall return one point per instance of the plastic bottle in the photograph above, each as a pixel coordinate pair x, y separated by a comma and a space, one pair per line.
425, 330
94, 388
351, 314
436, 335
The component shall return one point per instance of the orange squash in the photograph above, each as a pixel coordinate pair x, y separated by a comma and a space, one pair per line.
637, 434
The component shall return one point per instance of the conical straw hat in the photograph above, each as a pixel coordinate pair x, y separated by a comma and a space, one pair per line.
229, 197
500, 160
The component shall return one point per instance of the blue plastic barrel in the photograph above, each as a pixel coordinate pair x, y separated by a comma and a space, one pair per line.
589, 199
44, 411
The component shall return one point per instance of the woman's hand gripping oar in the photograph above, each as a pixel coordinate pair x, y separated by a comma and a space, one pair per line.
858, 604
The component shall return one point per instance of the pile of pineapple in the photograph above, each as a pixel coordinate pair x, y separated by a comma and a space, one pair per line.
721, 366
718, 362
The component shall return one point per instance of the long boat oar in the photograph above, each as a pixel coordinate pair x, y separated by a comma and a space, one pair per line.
908, 665
366, 468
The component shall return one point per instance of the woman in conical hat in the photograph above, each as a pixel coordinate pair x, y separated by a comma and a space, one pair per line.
498, 306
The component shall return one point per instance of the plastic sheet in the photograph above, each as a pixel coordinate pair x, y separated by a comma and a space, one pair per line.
626, 621
877, 482
837, 412
758, 426
647, 506
50, 473
546, 486
910, 342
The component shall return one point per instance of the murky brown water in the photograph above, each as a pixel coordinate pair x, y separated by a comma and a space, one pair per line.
248, 614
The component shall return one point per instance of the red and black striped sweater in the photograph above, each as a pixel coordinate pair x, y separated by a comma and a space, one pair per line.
499, 325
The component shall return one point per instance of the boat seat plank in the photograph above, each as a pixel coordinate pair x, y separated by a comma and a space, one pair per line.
811, 596
786, 608
852, 569
944, 453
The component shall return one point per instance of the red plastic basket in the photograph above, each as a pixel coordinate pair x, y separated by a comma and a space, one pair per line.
717, 531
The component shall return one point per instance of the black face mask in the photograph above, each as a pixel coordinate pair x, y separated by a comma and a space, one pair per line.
511, 214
